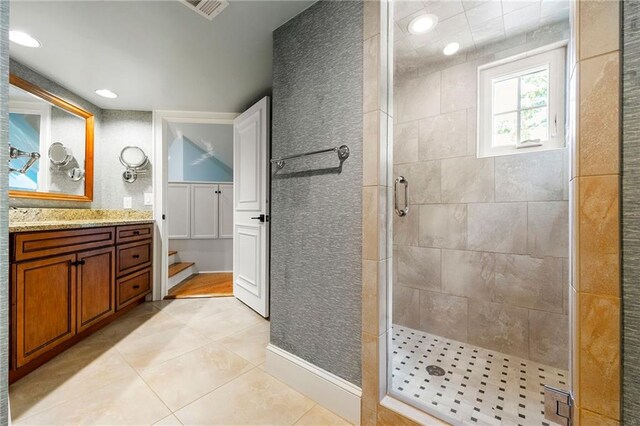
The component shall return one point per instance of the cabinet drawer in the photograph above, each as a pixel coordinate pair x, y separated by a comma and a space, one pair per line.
134, 256
129, 233
133, 287
43, 244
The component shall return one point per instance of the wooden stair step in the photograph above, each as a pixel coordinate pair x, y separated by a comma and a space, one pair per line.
172, 252
176, 268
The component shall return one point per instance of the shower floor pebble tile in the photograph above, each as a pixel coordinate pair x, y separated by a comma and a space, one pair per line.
479, 386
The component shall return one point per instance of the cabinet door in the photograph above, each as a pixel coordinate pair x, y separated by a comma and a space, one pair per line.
96, 286
178, 217
225, 210
204, 211
45, 305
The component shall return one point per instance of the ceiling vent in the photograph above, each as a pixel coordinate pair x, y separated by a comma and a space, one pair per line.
207, 8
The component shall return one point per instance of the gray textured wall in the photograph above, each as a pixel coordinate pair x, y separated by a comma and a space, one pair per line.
316, 227
4, 204
631, 214
114, 130
119, 129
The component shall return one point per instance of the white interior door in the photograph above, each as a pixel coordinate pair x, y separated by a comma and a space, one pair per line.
178, 206
204, 211
225, 209
251, 147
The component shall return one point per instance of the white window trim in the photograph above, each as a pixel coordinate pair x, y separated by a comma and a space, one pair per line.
553, 56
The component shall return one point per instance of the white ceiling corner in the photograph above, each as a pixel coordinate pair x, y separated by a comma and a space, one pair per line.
154, 54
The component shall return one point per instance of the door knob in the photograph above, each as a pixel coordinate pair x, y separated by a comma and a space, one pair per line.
262, 218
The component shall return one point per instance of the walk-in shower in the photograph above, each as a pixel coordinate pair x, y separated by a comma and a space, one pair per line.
480, 235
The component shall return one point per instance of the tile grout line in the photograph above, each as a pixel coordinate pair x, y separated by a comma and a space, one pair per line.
304, 414
65, 401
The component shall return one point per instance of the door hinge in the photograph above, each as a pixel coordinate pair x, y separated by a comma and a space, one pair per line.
558, 406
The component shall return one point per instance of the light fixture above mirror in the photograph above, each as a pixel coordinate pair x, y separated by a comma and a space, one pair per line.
23, 39
106, 93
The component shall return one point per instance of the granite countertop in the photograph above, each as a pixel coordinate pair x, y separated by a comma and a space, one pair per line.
27, 220
71, 224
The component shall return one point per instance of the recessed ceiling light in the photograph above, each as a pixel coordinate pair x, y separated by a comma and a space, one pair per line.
451, 48
23, 39
106, 93
423, 23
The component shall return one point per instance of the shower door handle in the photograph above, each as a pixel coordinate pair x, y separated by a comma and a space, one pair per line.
402, 212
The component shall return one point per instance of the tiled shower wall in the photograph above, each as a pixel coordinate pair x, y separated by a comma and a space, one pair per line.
482, 255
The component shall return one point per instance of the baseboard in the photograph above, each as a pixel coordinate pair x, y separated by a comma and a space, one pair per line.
325, 388
214, 272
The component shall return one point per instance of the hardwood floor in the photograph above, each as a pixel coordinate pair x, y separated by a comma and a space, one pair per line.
203, 285
176, 268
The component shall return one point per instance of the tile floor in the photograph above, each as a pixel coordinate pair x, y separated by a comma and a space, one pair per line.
478, 387
190, 361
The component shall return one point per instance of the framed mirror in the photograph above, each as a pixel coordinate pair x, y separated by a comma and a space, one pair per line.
51, 145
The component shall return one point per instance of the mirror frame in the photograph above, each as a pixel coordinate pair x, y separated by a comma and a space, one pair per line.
88, 145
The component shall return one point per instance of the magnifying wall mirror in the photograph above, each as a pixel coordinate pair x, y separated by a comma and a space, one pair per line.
64, 162
51, 145
136, 162
59, 155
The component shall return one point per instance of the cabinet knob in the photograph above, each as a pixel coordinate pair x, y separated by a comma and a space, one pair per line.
136, 232
136, 256
135, 287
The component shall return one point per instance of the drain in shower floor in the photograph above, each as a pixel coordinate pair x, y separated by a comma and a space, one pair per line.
434, 370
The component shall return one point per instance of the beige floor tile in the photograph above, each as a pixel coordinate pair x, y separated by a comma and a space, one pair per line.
253, 398
184, 379
226, 323
159, 347
250, 344
137, 325
169, 421
186, 310
126, 402
66, 378
320, 416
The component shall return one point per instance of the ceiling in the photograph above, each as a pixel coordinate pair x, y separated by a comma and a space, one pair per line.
216, 140
471, 23
154, 54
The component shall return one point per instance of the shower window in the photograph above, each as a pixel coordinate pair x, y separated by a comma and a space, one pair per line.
522, 104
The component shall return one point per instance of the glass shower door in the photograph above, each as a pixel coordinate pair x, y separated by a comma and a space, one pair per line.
480, 281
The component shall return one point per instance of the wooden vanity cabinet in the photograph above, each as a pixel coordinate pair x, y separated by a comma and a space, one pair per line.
67, 284
95, 291
44, 305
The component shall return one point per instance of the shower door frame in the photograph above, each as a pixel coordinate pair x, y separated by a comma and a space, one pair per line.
597, 397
